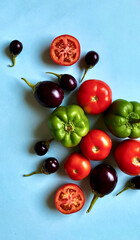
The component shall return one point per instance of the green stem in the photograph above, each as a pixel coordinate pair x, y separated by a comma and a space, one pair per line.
14, 61
33, 86
36, 172
132, 120
123, 190
84, 74
128, 186
96, 196
48, 141
57, 75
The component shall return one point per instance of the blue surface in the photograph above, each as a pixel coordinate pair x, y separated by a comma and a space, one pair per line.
112, 28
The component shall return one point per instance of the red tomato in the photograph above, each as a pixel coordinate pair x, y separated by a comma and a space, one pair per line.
96, 145
127, 156
94, 96
65, 50
77, 166
69, 198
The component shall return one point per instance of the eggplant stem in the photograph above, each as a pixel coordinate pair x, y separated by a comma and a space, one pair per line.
33, 86
36, 172
49, 141
14, 61
57, 75
94, 199
84, 74
123, 190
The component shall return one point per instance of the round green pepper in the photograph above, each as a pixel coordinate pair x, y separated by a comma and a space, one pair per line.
68, 125
123, 118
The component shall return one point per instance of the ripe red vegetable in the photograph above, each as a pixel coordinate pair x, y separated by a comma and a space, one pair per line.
77, 166
127, 156
69, 198
65, 50
96, 145
94, 96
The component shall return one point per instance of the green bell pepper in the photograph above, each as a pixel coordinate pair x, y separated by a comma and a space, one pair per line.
68, 125
123, 119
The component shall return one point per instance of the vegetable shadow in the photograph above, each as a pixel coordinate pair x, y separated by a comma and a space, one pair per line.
71, 98
50, 199
61, 170
111, 159
46, 58
7, 53
82, 67
42, 131
84, 184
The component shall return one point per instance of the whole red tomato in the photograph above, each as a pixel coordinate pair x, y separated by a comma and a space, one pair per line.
69, 198
127, 156
94, 96
65, 50
77, 166
96, 145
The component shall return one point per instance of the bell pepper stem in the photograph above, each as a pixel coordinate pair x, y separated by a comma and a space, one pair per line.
132, 120
14, 61
95, 197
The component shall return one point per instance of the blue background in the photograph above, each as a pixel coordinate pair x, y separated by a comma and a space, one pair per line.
112, 28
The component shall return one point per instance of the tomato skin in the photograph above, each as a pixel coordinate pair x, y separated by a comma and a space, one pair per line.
77, 166
96, 145
61, 43
127, 156
94, 96
76, 195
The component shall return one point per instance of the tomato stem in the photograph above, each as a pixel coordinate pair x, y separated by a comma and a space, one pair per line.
96, 196
14, 60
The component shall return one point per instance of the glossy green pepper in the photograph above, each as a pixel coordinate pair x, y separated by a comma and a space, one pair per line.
123, 118
68, 125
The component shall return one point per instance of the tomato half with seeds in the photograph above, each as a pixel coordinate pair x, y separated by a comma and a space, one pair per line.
69, 198
65, 50
94, 96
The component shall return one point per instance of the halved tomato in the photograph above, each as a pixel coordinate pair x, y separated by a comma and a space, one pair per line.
69, 198
65, 50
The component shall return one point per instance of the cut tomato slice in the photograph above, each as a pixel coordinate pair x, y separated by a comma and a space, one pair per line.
69, 198
65, 50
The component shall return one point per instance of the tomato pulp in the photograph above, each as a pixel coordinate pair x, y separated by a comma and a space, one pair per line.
69, 198
94, 96
65, 50
127, 156
77, 166
96, 145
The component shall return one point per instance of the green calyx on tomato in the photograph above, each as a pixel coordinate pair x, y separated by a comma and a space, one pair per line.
68, 125
123, 118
